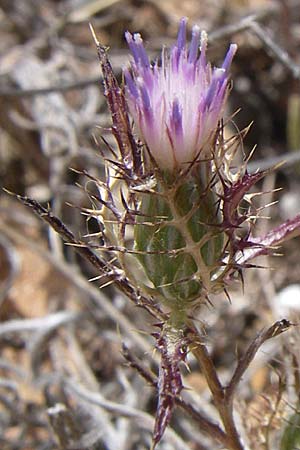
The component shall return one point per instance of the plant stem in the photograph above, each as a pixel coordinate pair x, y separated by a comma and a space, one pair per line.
223, 404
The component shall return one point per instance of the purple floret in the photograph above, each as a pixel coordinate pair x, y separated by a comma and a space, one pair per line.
176, 105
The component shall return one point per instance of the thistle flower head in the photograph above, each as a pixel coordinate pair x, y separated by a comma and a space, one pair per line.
176, 103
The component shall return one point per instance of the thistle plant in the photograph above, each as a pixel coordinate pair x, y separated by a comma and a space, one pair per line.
174, 207
177, 223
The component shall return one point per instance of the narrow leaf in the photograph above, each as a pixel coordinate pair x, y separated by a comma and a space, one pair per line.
173, 348
115, 98
275, 237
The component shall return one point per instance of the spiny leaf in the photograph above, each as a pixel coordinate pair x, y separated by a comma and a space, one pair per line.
173, 348
262, 245
129, 149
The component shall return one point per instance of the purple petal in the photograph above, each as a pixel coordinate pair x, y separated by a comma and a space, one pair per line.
229, 57
138, 51
176, 118
181, 39
203, 47
145, 97
218, 77
194, 47
146, 108
130, 83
